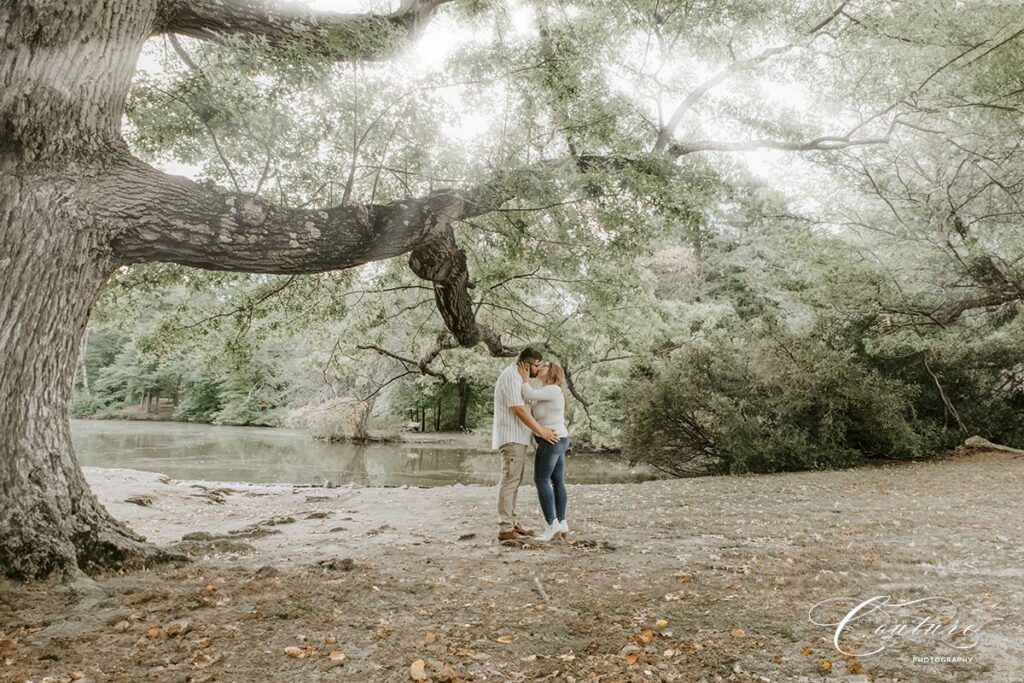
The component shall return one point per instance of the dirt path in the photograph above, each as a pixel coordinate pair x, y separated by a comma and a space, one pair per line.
686, 580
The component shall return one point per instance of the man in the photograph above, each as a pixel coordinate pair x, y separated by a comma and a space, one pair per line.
512, 437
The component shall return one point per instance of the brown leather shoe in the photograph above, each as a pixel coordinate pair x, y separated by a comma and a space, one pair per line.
507, 536
522, 531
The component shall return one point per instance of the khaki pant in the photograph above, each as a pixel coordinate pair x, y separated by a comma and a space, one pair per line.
513, 464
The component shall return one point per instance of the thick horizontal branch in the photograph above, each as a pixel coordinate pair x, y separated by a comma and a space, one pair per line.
949, 311
173, 219
160, 217
335, 36
679, 149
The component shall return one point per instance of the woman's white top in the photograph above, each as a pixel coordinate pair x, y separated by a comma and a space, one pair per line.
548, 406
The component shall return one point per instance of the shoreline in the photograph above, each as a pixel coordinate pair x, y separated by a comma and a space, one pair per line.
472, 440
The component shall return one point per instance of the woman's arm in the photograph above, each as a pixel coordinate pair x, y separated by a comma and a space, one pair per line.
542, 394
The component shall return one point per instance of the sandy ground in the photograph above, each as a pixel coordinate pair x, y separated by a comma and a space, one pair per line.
678, 580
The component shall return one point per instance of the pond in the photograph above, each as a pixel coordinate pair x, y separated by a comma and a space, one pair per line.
268, 455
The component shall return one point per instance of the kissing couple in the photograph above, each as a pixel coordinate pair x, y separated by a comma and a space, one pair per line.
527, 417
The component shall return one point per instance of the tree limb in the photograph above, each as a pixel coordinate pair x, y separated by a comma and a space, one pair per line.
679, 149
829, 19
171, 218
422, 365
160, 217
340, 37
950, 409
666, 132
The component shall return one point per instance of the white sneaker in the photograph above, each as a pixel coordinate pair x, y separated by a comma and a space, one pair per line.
550, 531
563, 529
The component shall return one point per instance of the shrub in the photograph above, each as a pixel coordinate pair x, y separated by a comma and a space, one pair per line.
86, 404
768, 401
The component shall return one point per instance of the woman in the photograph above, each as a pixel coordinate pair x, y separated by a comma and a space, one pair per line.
549, 403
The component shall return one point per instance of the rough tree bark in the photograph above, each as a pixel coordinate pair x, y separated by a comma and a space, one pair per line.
75, 205
51, 270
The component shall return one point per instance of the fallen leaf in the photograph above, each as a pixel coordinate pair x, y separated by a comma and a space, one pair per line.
646, 635
153, 632
632, 657
805, 650
416, 670
855, 668
296, 652
505, 639
178, 627
737, 633
826, 665
661, 623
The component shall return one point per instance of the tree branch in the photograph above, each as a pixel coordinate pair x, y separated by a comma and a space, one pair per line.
679, 149
422, 365
171, 218
665, 134
159, 217
340, 37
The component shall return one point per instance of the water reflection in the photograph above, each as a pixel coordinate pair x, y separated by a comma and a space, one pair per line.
255, 454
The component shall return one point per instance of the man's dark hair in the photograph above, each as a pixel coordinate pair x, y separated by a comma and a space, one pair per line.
529, 354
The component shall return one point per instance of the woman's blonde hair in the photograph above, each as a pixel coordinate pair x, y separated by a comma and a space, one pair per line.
556, 375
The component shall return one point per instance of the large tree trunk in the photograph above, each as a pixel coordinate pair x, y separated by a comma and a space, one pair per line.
65, 69
52, 270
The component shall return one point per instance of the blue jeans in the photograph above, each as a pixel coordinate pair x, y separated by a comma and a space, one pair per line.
549, 476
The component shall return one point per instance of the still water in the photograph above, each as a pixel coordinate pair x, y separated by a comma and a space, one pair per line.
263, 455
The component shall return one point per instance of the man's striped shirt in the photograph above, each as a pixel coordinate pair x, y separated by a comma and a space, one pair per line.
508, 392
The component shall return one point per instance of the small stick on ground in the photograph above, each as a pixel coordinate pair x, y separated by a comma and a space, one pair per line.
540, 589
